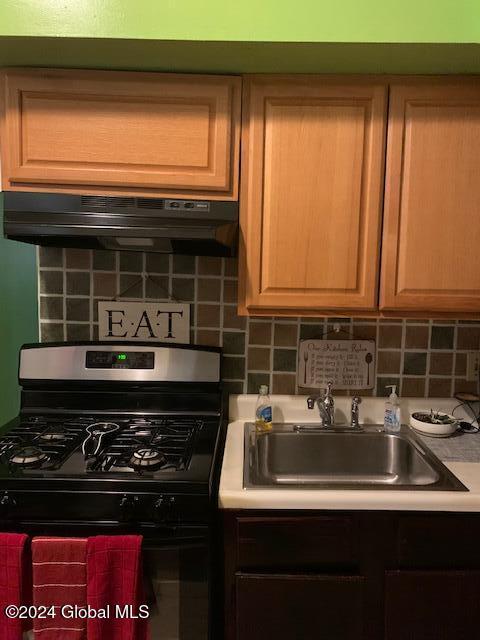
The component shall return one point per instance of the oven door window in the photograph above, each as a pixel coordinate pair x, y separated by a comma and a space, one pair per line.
177, 591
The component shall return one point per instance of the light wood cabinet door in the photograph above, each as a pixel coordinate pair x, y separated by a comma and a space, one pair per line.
311, 194
116, 132
431, 237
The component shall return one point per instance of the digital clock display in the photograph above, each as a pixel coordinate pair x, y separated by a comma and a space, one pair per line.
120, 360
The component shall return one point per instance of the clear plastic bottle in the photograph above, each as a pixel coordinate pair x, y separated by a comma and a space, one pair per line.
263, 410
392, 422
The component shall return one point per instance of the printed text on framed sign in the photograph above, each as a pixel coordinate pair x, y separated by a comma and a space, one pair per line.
138, 321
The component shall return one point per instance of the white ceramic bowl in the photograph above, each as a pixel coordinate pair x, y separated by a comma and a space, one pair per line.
434, 429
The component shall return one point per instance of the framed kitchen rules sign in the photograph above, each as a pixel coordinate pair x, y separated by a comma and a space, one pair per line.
349, 364
158, 322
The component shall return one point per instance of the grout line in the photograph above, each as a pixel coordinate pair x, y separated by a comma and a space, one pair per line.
454, 361
402, 358
245, 353
377, 341
64, 296
222, 271
194, 318
297, 373
37, 259
272, 341
91, 302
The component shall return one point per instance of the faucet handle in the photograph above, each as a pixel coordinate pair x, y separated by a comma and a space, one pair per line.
328, 390
310, 402
356, 400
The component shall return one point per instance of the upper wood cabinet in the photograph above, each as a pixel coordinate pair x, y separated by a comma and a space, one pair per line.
311, 194
431, 238
115, 132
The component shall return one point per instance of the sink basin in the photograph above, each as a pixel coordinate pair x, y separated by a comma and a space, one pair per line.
302, 456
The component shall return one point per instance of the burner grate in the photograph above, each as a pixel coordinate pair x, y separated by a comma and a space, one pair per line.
54, 438
168, 441
72, 445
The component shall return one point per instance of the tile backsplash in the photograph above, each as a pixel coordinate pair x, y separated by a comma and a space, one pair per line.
424, 358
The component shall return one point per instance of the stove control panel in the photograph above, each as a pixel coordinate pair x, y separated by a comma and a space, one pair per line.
113, 361
129, 507
120, 360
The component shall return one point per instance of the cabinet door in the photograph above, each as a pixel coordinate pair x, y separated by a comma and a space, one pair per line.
118, 132
425, 540
431, 260
304, 607
324, 541
432, 605
312, 176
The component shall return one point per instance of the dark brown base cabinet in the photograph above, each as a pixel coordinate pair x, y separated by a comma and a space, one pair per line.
351, 576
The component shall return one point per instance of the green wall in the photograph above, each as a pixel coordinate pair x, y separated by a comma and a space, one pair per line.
247, 20
18, 315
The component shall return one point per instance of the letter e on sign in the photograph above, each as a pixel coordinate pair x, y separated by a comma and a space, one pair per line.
144, 322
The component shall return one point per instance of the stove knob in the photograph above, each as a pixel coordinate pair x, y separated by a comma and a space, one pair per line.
164, 509
7, 504
128, 507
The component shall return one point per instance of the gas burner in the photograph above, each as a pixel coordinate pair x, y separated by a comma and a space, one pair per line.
147, 457
28, 457
54, 435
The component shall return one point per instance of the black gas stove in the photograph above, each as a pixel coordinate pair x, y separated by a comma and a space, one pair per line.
114, 433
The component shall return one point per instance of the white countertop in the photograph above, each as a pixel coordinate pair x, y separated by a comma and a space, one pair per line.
232, 495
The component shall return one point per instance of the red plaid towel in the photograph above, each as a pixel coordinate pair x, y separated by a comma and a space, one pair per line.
14, 582
59, 578
114, 576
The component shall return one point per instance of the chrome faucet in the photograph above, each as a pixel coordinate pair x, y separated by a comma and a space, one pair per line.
356, 401
326, 406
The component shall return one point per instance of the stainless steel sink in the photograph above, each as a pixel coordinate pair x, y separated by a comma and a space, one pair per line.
302, 456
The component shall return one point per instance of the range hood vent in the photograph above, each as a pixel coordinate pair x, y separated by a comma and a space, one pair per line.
89, 203
196, 227
92, 203
150, 203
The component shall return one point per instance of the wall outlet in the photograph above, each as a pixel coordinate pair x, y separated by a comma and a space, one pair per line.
473, 365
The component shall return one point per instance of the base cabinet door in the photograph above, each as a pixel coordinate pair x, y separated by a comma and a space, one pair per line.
311, 195
299, 607
431, 233
432, 605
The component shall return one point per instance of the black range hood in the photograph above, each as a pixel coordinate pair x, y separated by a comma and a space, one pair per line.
165, 225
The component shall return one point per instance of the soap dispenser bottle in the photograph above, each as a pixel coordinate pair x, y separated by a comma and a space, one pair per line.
391, 422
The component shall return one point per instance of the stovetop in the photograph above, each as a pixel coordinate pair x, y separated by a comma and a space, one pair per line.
114, 433
140, 446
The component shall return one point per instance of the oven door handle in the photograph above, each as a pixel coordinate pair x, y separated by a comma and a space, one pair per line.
172, 545
179, 537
